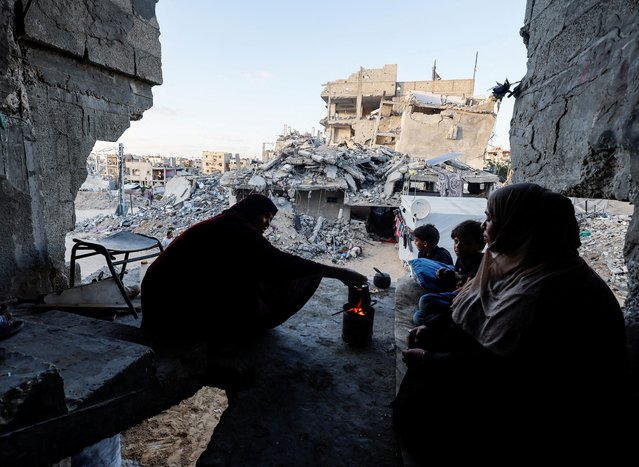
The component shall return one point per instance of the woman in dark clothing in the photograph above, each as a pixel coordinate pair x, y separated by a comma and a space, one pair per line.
534, 355
221, 281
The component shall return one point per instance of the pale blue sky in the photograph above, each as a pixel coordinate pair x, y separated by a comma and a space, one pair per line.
235, 72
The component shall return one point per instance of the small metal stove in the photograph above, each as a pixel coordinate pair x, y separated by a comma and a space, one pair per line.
359, 314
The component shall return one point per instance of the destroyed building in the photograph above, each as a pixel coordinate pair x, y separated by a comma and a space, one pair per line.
352, 180
419, 118
220, 161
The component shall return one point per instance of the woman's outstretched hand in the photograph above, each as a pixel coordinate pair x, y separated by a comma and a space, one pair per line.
352, 278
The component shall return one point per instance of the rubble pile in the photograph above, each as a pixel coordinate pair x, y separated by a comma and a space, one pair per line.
305, 163
602, 242
207, 200
306, 236
312, 238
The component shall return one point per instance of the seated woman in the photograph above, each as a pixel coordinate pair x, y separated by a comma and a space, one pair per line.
534, 355
222, 282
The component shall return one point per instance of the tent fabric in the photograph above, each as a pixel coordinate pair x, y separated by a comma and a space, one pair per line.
445, 213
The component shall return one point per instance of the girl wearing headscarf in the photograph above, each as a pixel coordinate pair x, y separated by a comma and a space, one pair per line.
535, 352
222, 282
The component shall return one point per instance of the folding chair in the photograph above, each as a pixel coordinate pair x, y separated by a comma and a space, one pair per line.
120, 243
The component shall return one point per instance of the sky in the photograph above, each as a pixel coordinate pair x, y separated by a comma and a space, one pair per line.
236, 72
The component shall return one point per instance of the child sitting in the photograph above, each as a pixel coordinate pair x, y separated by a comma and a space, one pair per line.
469, 245
426, 240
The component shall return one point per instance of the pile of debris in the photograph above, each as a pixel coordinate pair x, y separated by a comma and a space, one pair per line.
373, 176
313, 238
602, 242
306, 163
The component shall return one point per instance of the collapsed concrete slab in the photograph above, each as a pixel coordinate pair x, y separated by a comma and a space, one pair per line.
31, 390
73, 381
329, 180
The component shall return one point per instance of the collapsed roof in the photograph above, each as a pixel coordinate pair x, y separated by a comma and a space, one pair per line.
367, 175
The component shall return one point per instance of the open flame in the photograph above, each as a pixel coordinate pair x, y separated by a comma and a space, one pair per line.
357, 309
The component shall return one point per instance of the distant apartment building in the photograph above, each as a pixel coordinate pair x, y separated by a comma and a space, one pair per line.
138, 170
196, 164
497, 154
110, 167
146, 171
155, 160
218, 161
423, 119
214, 161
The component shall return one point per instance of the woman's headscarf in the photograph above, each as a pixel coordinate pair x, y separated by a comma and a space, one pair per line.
535, 236
254, 206
533, 221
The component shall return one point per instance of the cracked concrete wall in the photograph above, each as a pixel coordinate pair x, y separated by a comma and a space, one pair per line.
575, 126
71, 72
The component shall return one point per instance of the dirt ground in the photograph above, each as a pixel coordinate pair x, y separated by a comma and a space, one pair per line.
177, 436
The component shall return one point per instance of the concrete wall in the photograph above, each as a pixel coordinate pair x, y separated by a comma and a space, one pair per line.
575, 127
71, 72
317, 205
574, 124
430, 135
447, 87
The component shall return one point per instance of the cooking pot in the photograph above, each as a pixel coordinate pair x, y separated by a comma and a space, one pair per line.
382, 280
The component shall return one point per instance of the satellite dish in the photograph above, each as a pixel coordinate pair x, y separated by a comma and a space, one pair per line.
420, 208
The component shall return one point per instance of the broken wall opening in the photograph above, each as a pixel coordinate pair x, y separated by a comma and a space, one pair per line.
325, 203
379, 221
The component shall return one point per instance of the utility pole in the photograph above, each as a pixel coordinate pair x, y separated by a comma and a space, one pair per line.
475, 71
121, 210
265, 157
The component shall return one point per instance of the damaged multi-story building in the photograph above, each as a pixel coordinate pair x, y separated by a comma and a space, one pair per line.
220, 161
383, 138
353, 181
421, 118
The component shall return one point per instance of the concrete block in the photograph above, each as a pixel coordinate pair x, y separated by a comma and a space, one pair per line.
93, 367
31, 390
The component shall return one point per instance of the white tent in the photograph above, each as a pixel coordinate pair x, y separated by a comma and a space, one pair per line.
443, 212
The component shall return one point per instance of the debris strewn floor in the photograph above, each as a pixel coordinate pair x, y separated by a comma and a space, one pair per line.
316, 400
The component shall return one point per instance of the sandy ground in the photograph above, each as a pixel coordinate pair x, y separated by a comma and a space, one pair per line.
175, 437
383, 256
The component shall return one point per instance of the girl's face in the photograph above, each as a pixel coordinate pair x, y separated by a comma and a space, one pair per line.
489, 229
